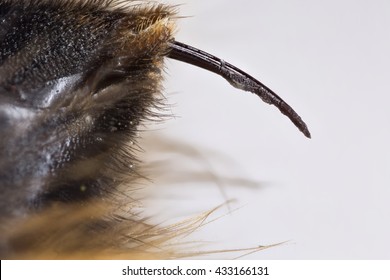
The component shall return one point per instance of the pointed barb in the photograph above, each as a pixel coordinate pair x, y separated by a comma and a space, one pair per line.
236, 77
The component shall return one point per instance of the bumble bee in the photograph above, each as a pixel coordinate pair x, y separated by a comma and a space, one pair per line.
77, 78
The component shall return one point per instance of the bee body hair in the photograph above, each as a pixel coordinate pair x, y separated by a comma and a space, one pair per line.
77, 81
77, 78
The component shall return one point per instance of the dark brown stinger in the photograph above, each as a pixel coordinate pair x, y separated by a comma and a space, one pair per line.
236, 78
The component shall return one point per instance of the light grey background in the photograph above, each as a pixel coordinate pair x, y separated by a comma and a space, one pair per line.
329, 197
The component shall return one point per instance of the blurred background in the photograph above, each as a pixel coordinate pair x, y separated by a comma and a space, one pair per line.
328, 197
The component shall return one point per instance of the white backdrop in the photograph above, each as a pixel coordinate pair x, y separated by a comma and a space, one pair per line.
329, 197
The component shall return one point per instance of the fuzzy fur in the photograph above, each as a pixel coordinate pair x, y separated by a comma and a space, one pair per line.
77, 78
